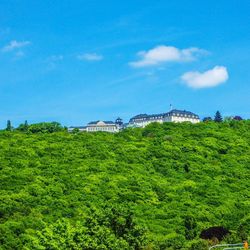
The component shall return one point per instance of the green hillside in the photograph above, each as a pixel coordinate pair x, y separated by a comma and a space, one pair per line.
152, 188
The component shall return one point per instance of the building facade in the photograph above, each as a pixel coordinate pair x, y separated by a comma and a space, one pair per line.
105, 126
181, 116
174, 115
141, 120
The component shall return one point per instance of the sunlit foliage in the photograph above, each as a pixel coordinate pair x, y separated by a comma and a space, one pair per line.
152, 188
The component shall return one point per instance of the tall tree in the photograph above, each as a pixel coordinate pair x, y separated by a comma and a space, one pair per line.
9, 127
218, 117
26, 125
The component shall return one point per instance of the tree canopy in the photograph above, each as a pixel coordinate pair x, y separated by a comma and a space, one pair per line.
154, 188
218, 117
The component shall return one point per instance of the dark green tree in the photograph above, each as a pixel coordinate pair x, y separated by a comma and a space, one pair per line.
207, 119
238, 118
26, 125
190, 227
9, 127
218, 117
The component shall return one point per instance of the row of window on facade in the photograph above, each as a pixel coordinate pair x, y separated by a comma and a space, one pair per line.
141, 120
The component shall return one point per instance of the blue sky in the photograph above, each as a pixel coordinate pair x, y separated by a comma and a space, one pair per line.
77, 61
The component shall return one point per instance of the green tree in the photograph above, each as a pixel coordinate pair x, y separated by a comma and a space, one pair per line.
199, 245
23, 127
110, 228
9, 127
26, 125
218, 117
75, 130
45, 127
190, 227
207, 119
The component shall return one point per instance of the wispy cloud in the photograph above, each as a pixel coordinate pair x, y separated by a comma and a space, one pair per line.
90, 57
53, 60
209, 78
162, 54
13, 45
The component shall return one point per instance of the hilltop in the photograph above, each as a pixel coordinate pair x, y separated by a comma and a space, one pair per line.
152, 188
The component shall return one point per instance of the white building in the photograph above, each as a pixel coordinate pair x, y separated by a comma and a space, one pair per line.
141, 120
104, 126
174, 115
181, 116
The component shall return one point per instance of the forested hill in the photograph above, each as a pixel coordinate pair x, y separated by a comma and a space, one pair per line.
152, 188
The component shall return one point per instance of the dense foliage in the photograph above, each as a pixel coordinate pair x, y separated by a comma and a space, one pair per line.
42, 127
152, 188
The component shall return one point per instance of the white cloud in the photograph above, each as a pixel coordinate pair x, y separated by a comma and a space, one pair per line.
90, 57
15, 45
210, 78
161, 54
53, 60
